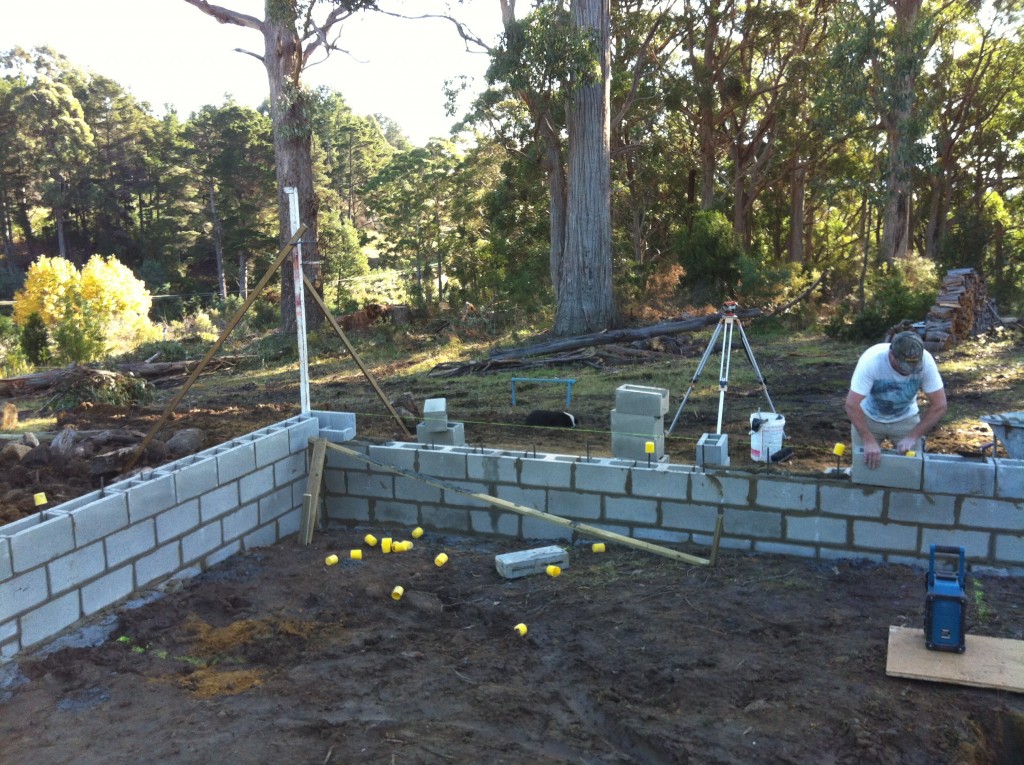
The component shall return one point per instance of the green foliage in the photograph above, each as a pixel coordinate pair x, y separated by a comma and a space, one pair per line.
113, 389
904, 291
35, 340
13, 360
714, 263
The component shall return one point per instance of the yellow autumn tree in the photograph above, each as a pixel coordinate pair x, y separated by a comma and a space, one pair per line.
88, 313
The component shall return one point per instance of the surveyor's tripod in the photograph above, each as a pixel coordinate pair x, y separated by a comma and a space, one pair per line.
726, 323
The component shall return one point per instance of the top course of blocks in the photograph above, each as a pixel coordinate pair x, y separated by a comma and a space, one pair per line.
640, 399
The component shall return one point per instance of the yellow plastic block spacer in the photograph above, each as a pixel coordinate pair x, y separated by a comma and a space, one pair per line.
398, 592
598, 547
520, 629
417, 532
330, 560
440, 560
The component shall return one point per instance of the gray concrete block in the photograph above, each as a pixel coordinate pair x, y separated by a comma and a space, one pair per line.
535, 528
533, 498
300, 429
291, 469
860, 501
917, 507
494, 522
635, 447
271, 445
411, 489
663, 481
50, 618
453, 434
641, 425
444, 518
372, 485
195, 479
641, 399
6, 569
151, 494
264, 536
1010, 548
492, 466
42, 542
336, 427
255, 485
349, 509
400, 455
444, 462
975, 543
718, 488
460, 499
435, 415
80, 501
992, 513
869, 535
177, 521
953, 474
201, 542
21, 593
288, 524
225, 552
235, 461
134, 541
159, 564
753, 523
70, 571
817, 529
602, 476
334, 482
574, 505
1010, 479
336, 460
895, 471
107, 590
780, 548
216, 503
792, 494
547, 470
96, 520
240, 522
661, 536
403, 513
513, 565
631, 511
680, 515
713, 450
27, 522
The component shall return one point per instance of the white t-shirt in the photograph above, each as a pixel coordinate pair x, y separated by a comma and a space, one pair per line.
888, 395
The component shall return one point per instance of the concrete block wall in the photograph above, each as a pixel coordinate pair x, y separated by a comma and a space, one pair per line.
763, 512
77, 558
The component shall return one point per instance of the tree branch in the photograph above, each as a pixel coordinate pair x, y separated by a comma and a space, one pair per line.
227, 16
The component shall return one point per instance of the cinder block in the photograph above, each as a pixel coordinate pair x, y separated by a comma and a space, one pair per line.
713, 450
235, 461
852, 500
491, 466
535, 528
575, 505
640, 399
291, 469
631, 511
200, 542
635, 447
42, 543
271, 445
150, 495
753, 523
159, 564
896, 471
337, 427
240, 522
177, 521
442, 463
22, 592
107, 590
264, 536
923, 509
404, 513
132, 542
400, 455
301, 428
719, 489
216, 503
256, 484
275, 505
791, 494
953, 474
637, 424
526, 562
6, 570
694, 518
992, 513
663, 481
452, 434
102, 517
1010, 479
195, 479
869, 535
816, 529
435, 416
494, 522
550, 470
445, 518
69, 571
49, 619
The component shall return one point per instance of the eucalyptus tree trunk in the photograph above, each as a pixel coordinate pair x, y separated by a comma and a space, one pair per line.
797, 190
218, 243
585, 297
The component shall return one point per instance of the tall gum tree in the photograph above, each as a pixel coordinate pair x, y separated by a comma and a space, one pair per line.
291, 37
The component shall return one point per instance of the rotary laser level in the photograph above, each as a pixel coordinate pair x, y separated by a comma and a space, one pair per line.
945, 604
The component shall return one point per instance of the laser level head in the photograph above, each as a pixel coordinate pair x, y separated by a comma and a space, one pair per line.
729, 307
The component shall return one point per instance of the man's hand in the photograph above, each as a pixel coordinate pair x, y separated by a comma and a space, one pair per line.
906, 444
872, 454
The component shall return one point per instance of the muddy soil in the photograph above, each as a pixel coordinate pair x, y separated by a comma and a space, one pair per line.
276, 657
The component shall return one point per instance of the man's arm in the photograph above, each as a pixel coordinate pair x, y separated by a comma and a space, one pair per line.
872, 451
936, 408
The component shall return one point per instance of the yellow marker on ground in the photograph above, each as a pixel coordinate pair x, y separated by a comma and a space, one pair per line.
598, 547
417, 532
839, 450
553, 570
440, 560
398, 592
355, 554
330, 560
385, 545
40, 499
520, 629
371, 540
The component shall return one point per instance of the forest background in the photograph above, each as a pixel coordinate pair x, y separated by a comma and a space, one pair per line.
753, 149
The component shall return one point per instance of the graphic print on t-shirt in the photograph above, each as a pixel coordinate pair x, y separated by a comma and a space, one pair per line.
891, 399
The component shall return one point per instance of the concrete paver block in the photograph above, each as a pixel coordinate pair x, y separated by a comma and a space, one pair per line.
637, 424
452, 434
953, 474
435, 416
896, 471
635, 447
526, 562
641, 399
713, 450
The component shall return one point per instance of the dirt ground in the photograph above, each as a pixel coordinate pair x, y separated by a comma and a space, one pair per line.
275, 657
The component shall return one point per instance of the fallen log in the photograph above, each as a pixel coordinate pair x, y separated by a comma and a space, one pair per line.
618, 336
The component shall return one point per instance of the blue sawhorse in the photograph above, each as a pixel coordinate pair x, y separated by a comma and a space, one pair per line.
567, 382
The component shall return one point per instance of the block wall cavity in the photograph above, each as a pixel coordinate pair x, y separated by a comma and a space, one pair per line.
75, 559
666, 503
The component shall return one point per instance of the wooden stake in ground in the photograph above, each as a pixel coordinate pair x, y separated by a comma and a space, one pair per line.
311, 499
581, 528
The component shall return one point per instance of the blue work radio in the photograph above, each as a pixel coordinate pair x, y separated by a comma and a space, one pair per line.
945, 603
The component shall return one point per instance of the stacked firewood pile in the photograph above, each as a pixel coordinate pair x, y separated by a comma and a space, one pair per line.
962, 310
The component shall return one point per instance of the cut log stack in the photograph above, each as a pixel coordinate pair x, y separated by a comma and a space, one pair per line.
962, 310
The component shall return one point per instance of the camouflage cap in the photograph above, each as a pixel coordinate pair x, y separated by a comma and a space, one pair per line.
907, 349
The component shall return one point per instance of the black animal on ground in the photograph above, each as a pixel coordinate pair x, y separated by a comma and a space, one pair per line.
548, 419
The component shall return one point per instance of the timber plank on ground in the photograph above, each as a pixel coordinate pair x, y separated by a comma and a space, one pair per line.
987, 662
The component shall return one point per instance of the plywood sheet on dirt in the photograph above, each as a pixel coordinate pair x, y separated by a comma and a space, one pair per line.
987, 662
